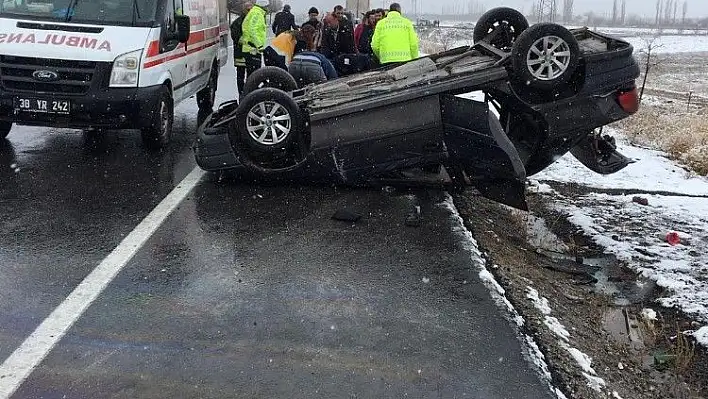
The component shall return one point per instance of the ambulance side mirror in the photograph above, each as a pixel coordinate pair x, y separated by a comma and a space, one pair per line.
183, 23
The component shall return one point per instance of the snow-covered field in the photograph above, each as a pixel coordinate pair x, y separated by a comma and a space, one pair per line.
666, 42
637, 233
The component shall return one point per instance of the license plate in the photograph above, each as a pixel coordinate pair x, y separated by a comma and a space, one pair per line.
48, 106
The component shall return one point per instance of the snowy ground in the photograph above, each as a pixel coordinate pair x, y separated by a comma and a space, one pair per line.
637, 233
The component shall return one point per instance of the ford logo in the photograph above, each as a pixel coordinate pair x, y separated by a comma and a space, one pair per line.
45, 76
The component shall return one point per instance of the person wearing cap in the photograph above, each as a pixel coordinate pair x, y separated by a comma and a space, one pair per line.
254, 35
313, 20
284, 21
239, 56
395, 39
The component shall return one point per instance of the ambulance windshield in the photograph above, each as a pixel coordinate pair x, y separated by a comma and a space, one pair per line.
103, 12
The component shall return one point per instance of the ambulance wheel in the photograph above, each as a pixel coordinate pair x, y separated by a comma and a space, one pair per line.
269, 76
157, 134
269, 120
545, 56
505, 22
206, 97
5, 128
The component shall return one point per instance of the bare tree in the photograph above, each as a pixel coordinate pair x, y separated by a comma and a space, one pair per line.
685, 11
667, 11
652, 60
624, 12
275, 6
567, 10
673, 21
614, 13
658, 13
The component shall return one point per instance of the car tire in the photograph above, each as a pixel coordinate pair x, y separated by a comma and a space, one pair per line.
513, 22
159, 130
5, 128
269, 76
268, 120
206, 97
545, 56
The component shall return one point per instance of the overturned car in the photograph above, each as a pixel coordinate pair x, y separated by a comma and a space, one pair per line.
542, 91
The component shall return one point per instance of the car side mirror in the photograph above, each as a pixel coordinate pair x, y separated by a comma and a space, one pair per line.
183, 25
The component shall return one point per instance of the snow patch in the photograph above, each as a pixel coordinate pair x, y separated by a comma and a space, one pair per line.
636, 233
702, 336
583, 360
541, 303
652, 171
648, 314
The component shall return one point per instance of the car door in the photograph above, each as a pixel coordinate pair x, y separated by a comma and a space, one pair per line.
479, 147
174, 52
385, 138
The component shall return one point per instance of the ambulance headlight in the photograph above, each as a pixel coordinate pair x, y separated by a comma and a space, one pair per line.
125, 69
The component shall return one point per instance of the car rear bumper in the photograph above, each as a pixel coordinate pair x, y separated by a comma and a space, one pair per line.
212, 148
126, 108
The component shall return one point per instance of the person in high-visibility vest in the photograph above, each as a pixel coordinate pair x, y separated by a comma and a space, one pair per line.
254, 35
395, 40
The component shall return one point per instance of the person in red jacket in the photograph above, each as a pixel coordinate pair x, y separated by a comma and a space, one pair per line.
360, 28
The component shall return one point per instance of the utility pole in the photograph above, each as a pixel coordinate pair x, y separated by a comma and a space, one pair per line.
547, 10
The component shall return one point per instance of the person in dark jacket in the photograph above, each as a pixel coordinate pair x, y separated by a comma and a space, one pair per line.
329, 39
239, 55
346, 32
313, 19
308, 66
284, 21
367, 32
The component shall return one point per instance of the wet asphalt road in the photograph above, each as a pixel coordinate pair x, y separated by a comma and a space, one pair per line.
244, 291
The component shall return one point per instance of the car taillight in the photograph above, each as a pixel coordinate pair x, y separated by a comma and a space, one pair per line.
629, 100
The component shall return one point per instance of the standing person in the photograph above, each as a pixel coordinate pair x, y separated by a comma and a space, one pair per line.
367, 33
254, 35
329, 40
360, 28
395, 39
284, 21
313, 20
239, 56
345, 33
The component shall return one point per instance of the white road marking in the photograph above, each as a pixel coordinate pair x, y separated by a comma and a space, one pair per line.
35, 348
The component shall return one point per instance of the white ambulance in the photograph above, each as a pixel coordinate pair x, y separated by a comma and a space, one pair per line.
98, 64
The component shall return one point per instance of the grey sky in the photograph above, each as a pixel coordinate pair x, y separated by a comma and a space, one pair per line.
696, 8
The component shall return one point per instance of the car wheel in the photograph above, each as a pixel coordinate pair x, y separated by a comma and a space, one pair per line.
545, 56
157, 134
269, 76
206, 97
5, 128
509, 22
268, 120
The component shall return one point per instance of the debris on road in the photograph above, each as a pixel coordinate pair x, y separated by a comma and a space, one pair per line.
346, 215
673, 238
414, 219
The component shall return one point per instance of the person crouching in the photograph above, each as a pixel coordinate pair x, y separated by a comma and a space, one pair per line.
308, 66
